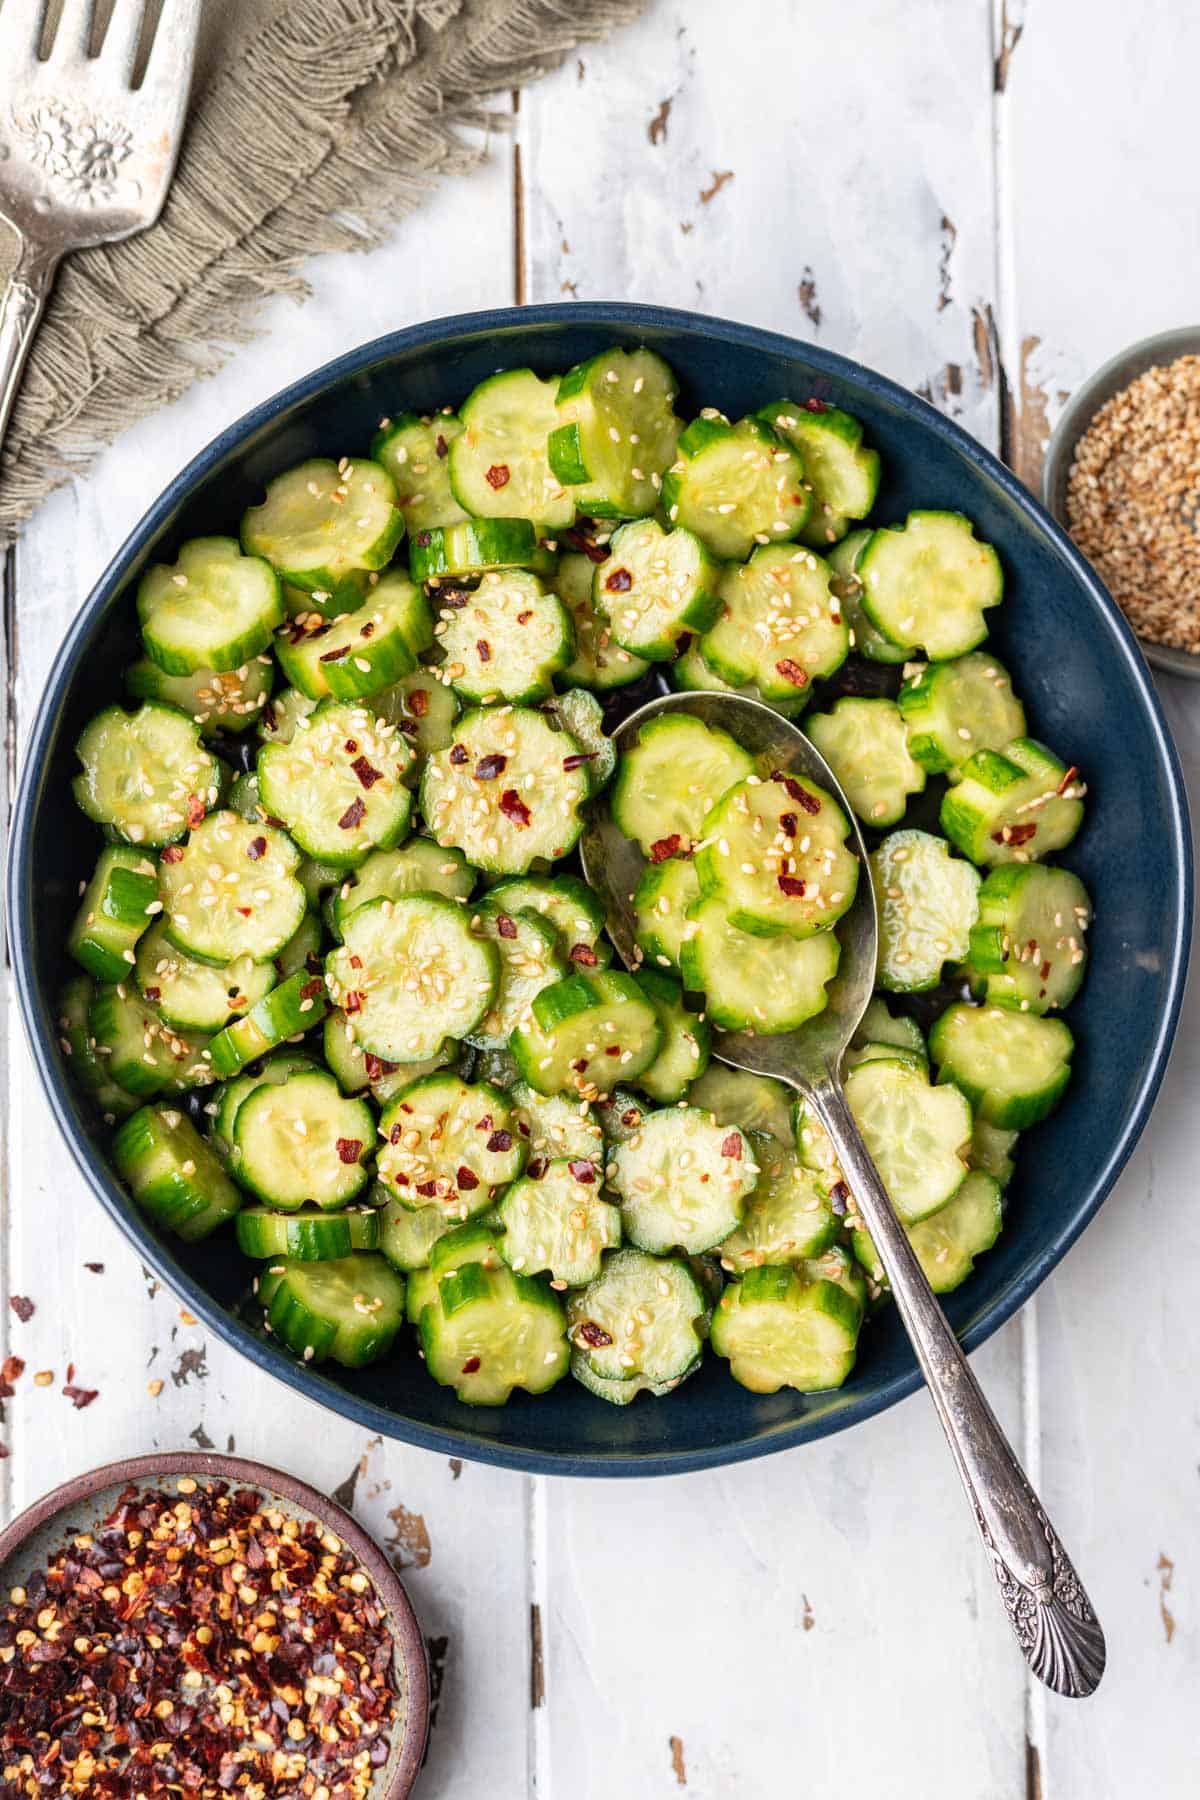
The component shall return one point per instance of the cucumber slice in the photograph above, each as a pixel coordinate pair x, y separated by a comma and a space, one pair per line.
498, 463
449, 1143
420, 866
323, 520
195, 996
1012, 1066
415, 453
231, 891
116, 907
928, 902
146, 775
691, 674
655, 586
223, 1109
557, 1221
78, 1045
530, 960
665, 893
778, 1330
406, 1237
927, 584
229, 700
917, 1134
992, 1151
782, 626
845, 584
308, 1235
1027, 949
565, 903
617, 1393
668, 781
879, 1026
787, 1217
817, 1153
863, 1053
553, 1127
138, 1050
947, 1244
303, 1140
473, 1243
1017, 807
581, 716
172, 1173
411, 973
212, 609
489, 1331
641, 1323
753, 1102
775, 852
302, 951
282, 714
423, 709
506, 640
337, 603
508, 790
288, 1011
394, 1077
683, 1180
865, 744
843, 475
345, 1056
587, 1032
953, 709
347, 1309
471, 547
686, 1040
598, 662
751, 982
360, 654
339, 784
735, 486
616, 433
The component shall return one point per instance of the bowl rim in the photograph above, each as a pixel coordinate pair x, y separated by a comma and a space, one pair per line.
275, 1483
38, 1029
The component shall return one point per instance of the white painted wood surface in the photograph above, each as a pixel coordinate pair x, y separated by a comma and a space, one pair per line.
823, 1617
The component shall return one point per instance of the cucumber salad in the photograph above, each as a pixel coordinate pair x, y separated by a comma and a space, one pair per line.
344, 994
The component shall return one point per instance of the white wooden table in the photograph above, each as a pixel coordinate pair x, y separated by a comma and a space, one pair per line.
984, 207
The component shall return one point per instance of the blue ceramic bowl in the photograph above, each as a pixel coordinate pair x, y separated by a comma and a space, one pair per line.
1087, 691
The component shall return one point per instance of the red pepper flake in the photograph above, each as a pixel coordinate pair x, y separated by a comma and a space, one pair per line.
500, 1141
618, 581
395, 1134
441, 446
788, 824
506, 927
173, 853
1014, 834
732, 1146
581, 537
839, 1198
485, 1124
1067, 779
631, 1118
578, 758
368, 629
488, 767
792, 672
584, 955
256, 848
473, 1363
95, 1268
153, 994
514, 808
367, 775
22, 1306
312, 988
195, 810
523, 618
795, 792
458, 755
247, 912
498, 475
664, 848
465, 1180
583, 1170
350, 746
483, 650
613, 1050
353, 815
1044, 971
354, 1001
336, 655
349, 1149
594, 1335
80, 1396
791, 885
376, 1067
427, 1189
456, 597
424, 539
814, 405
355, 961
579, 1065
418, 702
270, 717
537, 1168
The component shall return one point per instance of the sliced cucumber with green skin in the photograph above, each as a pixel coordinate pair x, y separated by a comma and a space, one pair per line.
917, 1134
735, 486
138, 1050
992, 1151
846, 586
782, 626
776, 853
498, 462
568, 905
947, 1244
303, 1140
1012, 1066
302, 950
449, 1143
77, 1044
146, 775
843, 474
865, 744
406, 1237
581, 716
508, 790
620, 1114
665, 893
346, 1310
656, 586
116, 908
337, 603
212, 609
472, 547
476, 1242
682, 1180
344, 1055
420, 1290
393, 1077
868, 1052
816, 1151
879, 1026
669, 779
322, 520
557, 1221
530, 959
489, 1331
1016, 807
788, 1216
231, 891
423, 709
1027, 947
282, 713
619, 1393
506, 640
411, 973
953, 709
641, 1323
777, 1330
553, 1127
753, 1102
751, 982
289, 1010
360, 655
587, 1032
691, 674
339, 784
415, 452
928, 902
308, 1235
616, 433
927, 584
216, 700
173, 1174
686, 1040
223, 1109
195, 996
420, 866
598, 662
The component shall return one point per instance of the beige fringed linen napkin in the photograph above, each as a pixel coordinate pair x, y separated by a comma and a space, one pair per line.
314, 124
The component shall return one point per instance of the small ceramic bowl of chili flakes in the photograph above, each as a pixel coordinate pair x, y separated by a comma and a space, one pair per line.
205, 1628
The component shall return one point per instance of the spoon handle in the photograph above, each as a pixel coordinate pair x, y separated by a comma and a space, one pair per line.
1047, 1607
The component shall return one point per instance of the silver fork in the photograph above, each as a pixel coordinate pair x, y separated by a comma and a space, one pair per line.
85, 157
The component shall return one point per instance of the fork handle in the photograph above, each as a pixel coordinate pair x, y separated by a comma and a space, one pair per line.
1047, 1607
21, 306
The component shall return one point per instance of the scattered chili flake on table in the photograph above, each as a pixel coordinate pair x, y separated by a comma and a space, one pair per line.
22, 1306
196, 1644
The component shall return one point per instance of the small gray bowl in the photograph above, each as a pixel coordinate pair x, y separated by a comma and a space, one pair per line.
1082, 407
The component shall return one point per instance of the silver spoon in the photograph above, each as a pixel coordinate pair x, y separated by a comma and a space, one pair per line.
1046, 1605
